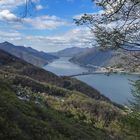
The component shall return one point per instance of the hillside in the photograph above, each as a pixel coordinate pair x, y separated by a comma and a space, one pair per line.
70, 52
12, 64
36, 104
108, 58
28, 54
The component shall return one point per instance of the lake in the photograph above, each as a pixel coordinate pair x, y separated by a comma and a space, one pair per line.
117, 87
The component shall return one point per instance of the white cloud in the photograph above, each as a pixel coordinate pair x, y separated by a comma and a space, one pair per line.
46, 22
79, 37
7, 15
10, 4
41, 22
39, 7
10, 33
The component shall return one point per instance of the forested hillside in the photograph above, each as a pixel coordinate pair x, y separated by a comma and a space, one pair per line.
108, 58
28, 54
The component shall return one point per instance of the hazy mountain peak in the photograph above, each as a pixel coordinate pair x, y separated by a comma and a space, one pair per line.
70, 52
7, 43
28, 54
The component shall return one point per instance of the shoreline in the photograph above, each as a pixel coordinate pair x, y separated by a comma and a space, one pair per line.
130, 73
107, 72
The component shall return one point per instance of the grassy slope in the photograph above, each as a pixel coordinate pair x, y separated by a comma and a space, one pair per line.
26, 121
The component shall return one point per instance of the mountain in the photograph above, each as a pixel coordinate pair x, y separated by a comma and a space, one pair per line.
29, 54
37, 104
108, 58
93, 56
70, 52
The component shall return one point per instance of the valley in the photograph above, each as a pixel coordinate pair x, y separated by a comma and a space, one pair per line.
69, 69
115, 86
86, 106
48, 104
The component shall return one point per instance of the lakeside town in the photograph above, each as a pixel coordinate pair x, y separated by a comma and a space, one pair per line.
104, 70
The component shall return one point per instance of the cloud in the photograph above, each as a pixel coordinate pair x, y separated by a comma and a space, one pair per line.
10, 33
78, 37
45, 22
10, 4
7, 15
39, 7
11, 36
41, 22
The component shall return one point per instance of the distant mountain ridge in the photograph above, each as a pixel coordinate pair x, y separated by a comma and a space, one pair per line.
107, 58
70, 52
93, 56
37, 58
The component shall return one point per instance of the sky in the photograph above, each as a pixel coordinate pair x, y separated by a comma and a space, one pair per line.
48, 25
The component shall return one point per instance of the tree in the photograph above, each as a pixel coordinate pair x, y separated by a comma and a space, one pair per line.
135, 103
117, 26
130, 124
29, 6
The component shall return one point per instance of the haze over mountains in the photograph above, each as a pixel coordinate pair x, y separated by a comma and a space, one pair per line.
70, 52
107, 58
81, 56
90, 57
37, 58
93, 56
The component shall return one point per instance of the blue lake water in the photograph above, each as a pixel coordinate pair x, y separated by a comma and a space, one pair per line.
117, 87
63, 67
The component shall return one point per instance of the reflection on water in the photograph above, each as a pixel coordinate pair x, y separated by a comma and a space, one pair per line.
116, 86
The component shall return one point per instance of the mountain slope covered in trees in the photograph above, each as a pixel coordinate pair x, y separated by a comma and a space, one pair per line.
107, 58
28, 54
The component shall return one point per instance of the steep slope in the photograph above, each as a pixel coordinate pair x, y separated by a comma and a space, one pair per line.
35, 108
27, 120
70, 52
28, 54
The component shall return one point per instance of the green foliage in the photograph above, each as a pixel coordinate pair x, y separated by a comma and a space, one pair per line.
26, 120
130, 124
135, 103
112, 27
